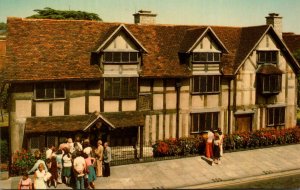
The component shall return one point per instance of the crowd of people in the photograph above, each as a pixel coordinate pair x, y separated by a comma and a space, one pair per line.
214, 146
71, 163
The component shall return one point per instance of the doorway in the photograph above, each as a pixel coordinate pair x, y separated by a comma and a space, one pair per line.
243, 122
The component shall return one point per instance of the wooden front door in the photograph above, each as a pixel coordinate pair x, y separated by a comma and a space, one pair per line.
243, 122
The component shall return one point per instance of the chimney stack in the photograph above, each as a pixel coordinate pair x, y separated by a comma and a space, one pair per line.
276, 21
144, 17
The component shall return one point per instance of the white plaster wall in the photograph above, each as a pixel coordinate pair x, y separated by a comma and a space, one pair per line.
160, 127
128, 105
185, 126
158, 101
130, 69
153, 128
111, 69
147, 131
197, 101
42, 109
173, 125
77, 106
158, 85
94, 104
207, 45
167, 126
213, 101
184, 100
58, 108
111, 106
23, 108
121, 42
171, 101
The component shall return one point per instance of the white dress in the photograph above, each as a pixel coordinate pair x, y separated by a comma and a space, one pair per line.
39, 182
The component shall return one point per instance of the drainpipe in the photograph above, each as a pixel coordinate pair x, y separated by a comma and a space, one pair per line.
177, 86
229, 107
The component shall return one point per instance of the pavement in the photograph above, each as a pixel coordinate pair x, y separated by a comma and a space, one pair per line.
197, 172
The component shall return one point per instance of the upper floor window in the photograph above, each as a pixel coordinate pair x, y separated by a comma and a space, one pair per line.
206, 84
45, 91
276, 116
120, 57
207, 57
270, 84
204, 121
267, 57
120, 88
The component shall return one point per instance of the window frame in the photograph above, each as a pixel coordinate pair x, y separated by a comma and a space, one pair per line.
202, 82
271, 122
118, 85
130, 54
211, 118
53, 88
204, 57
269, 85
265, 55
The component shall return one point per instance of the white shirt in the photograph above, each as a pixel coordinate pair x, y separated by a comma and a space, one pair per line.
67, 162
79, 164
210, 136
48, 153
87, 150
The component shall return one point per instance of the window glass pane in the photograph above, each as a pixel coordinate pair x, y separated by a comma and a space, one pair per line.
117, 57
125, 57
49, 91
203, 57
271, 116
216, 83
39, 91
202, 123
208, 122
216, 57
276, 116
133, 57
59, 90
215, 120
210, 56
282, 116
266, 84
116, 87
107, 87
261, 57
108, 57
203, 84
268, 57
195, 123
274, 56
196, 84
196, 56
132, 91
34, 142
209, 83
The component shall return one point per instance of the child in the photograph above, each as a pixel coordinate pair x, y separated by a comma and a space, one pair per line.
25, 182
39, 177
91, 170
53, 171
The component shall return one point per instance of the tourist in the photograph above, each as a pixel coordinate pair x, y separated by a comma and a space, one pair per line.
216, 150
64, 145
53, 171
87, 148
77, 144
106, 159
25, 182
59, 165
67, 164
99, 158
39, 177
79, 170
71, 145
91, 170
39, 161
209, 144
221, 136
49, 152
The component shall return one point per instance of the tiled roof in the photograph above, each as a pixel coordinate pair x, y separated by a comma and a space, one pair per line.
267, 69
292, 41
58, 123
2, 58
125, 119
61, 49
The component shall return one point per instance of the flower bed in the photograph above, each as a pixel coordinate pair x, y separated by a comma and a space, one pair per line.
236, 141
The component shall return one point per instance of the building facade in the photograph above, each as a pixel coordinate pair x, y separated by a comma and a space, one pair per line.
137, 83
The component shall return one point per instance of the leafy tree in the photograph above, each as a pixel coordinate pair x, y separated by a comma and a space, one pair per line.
49, 13
3, 100
3, 26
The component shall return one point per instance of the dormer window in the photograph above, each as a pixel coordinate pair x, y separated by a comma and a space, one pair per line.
270, 84
206, 57
267, 57
120, 57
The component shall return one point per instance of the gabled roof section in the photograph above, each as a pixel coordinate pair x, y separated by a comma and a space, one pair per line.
193, 36
268, 69
122, 27
292, 41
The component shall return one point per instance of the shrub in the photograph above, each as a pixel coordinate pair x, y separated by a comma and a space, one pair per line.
4, 151
22, 162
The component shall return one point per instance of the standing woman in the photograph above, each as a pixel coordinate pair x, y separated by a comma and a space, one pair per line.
99, 158
38, 157
38, 178
221, 136
59, 165
67, 164
107, 159
216, 150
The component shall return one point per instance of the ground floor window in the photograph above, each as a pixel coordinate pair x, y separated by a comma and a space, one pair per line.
204, 121
275, 116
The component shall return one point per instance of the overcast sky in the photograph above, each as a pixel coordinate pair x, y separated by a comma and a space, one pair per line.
195, 12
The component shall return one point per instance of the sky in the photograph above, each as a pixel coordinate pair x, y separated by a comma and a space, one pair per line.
183, 12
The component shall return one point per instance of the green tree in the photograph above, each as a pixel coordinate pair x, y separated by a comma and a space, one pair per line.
296, 54
49, 13
3, 26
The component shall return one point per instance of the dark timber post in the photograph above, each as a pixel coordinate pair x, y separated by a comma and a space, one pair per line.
177, 86
141, 142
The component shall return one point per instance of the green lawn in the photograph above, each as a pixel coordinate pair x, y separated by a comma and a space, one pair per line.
5, 123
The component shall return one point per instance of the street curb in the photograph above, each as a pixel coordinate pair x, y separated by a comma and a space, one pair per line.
230, 182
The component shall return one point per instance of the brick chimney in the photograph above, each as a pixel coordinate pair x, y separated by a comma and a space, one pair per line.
144, 17
276, 21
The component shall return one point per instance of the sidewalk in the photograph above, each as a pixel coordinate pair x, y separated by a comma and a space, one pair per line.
195, 172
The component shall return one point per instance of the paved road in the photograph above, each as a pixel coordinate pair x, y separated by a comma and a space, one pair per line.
196, 172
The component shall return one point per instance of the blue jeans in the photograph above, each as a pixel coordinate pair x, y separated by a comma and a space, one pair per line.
80, 182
